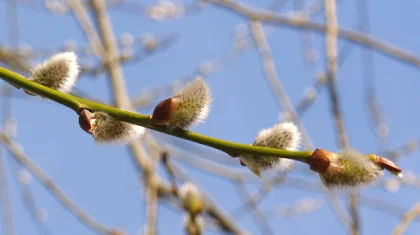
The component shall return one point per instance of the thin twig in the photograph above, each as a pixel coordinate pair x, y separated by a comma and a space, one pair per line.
49, 184
260, 218
272, 78
223, 220
151, 202
407, 219
169, 171
295, 22
377, 122
83, 18
331, 53
6, 212
31, 207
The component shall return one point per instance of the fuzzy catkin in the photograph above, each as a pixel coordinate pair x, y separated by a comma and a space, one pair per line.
108, 129
192, 105
59, 72
190, 197
281, 136
350, 169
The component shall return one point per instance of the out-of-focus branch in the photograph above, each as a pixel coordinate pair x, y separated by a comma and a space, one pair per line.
49, 184
407, 148
407, 219
12, 59
169, 171
272, 78
151, 201
223, 220
304, 206
159, 45
208, 166
6, 209
260, 218
379, 127
113, 66
331, 54
30, 203
83, 18
311, 93
296, 22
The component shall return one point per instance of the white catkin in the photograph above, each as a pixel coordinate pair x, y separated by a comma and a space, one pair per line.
350, 169
192, 105
108, 129
283, 135
59, 72
187, 190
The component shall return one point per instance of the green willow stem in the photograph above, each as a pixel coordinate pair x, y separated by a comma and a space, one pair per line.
76, 104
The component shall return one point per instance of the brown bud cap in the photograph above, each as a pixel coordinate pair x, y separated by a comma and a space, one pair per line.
163, 112
86, 120
387, 164
319, 160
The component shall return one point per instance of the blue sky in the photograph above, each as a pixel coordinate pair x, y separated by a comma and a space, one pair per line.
102, 180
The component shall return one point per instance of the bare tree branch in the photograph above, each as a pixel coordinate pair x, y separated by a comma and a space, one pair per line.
407, 219
271, 75
49, 184
294, 22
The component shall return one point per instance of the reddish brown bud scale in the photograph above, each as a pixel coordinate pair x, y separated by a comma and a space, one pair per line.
162, 112
319, 160
387, 164
85, 120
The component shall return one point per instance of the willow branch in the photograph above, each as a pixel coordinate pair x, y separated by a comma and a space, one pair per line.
76, 104
151, 203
